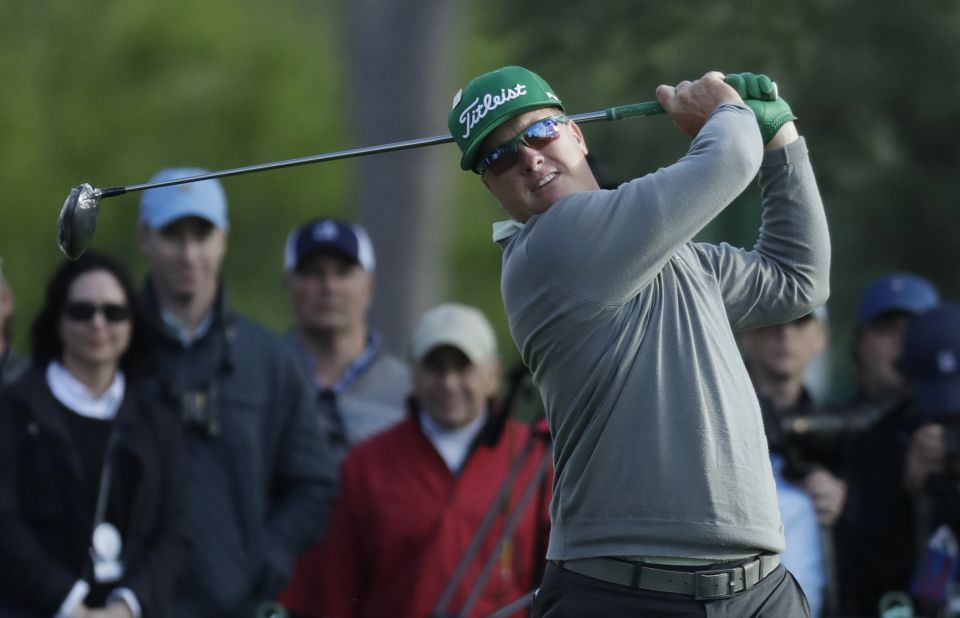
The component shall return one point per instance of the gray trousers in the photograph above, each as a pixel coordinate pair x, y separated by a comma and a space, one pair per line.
564, 594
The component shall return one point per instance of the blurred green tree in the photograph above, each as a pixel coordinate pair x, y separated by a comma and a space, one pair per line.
875, 84
108, 93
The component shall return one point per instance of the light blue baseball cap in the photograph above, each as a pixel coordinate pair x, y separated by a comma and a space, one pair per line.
205, 199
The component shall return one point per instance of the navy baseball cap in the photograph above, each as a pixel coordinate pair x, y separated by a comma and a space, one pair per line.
897, 291
931, 361
204, 199
334, 235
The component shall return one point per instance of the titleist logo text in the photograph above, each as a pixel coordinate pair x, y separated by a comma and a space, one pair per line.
475, 112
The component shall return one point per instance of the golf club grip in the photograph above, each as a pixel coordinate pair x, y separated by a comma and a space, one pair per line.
647, 108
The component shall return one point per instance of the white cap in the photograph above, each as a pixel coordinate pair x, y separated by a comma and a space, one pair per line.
453, 324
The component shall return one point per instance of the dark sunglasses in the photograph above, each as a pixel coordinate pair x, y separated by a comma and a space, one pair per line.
84, 312
536, 136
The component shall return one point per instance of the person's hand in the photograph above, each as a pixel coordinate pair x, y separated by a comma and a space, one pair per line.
691, 103
117, 609
828, 493
926, 455
80, 611
772, 112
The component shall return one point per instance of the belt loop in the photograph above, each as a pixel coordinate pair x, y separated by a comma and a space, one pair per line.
635, 579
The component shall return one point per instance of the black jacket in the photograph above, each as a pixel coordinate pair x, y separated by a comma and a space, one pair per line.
876, 533
260, 477
11, 366
46, 503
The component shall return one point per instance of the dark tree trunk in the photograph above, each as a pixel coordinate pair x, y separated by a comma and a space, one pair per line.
400, 60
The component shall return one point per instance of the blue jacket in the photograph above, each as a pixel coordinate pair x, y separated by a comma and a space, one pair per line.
259, 478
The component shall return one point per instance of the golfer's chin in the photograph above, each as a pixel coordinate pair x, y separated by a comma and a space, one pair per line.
535, 204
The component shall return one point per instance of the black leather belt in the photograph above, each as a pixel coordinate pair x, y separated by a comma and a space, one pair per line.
706, 585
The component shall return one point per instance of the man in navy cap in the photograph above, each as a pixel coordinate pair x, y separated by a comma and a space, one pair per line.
875, 550
259, 476
361, 388
886, 305
931, 365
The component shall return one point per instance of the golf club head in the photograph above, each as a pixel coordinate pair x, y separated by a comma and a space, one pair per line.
78, 220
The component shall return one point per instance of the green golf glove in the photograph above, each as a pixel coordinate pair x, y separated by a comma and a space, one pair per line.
760, 95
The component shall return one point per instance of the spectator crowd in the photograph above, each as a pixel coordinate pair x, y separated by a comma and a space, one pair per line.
163, 455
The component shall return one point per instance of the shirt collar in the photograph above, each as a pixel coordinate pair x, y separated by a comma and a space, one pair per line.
453, 445
503, 230
181, 332
75, 396
356, 367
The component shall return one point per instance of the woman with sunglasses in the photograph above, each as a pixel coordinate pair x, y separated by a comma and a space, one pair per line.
90, 506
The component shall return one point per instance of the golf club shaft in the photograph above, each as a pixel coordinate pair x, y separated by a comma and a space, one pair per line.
647, 108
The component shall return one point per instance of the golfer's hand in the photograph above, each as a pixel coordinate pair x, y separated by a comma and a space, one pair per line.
829, 495
774, 116
117, 609
691, 103
926, 455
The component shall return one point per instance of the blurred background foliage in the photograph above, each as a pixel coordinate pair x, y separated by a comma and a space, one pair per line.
109, 92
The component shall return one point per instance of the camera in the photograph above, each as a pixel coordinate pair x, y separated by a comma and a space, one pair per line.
200, 409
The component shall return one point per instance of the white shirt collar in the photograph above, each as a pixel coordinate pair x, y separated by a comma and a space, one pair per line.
505, 229
76, 397
453, 445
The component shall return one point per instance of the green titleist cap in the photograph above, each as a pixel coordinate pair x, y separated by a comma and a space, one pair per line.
490, 100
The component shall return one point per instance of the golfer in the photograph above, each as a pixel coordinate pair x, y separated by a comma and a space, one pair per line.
664, 500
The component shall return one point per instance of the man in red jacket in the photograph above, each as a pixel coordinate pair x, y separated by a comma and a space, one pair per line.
413, 498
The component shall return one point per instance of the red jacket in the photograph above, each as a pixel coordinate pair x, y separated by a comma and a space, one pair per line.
402, 522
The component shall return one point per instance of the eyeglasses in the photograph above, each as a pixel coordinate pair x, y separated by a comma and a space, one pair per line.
536, 136
84, 312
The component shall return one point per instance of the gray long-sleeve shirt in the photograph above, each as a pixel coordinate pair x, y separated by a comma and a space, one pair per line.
628, 327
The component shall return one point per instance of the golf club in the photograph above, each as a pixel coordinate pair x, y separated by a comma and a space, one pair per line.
81, 210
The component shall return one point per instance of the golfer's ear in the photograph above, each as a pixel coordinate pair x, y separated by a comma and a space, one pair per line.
579, 137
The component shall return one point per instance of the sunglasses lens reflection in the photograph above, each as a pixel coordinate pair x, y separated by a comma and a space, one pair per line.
536, 136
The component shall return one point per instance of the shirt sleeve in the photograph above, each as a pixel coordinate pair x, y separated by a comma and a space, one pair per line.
803, 556
608, 245
786, 275
304, 481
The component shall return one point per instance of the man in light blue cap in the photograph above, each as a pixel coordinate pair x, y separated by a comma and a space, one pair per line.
259, 476
183, 234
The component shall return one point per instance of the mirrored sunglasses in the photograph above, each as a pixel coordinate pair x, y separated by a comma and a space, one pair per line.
536, 136
84, 312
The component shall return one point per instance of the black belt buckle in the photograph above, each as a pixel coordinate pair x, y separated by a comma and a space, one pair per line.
728, 593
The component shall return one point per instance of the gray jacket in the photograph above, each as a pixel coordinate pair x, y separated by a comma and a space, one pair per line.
628, 327
371, 396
